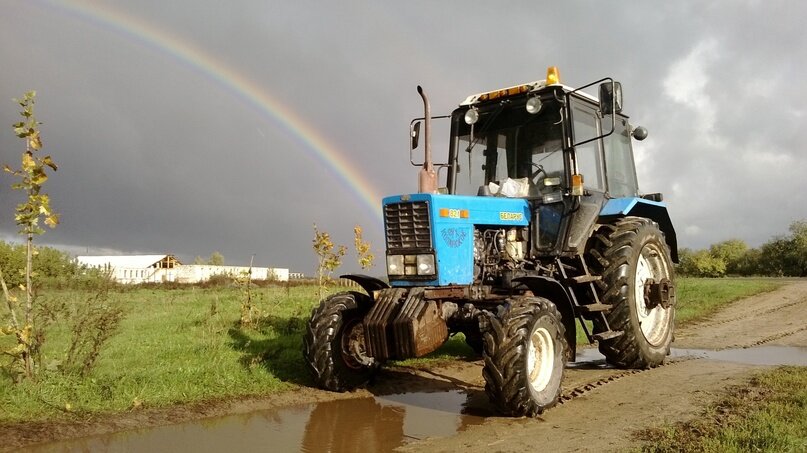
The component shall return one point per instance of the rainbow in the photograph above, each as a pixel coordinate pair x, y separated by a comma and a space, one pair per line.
247, 90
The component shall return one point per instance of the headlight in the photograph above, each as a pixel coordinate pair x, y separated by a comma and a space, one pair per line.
395, 265
411, 265
533, 105
471, 116
425, 265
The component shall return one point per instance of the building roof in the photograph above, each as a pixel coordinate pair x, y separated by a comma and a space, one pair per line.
123, 261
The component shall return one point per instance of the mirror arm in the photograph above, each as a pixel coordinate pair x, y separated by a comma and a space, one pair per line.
411, 127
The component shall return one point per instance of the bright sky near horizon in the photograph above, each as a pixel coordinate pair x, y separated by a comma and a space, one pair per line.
190, 127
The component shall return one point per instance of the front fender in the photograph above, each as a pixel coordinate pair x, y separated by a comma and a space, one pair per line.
554, 291
369, 284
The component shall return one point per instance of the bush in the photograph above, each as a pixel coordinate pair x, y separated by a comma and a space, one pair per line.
52, 267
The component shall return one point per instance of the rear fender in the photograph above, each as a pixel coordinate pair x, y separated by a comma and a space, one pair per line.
649, 209
555, 292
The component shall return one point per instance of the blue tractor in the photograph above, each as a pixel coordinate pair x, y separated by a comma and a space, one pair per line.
540, 224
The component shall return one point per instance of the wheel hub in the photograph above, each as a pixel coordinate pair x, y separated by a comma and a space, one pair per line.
354, 350
654, 294
540, 358
658, 294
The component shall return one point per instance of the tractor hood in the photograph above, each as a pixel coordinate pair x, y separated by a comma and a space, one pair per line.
444, 225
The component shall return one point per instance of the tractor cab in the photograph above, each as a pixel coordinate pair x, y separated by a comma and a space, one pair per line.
546, 134
554, 145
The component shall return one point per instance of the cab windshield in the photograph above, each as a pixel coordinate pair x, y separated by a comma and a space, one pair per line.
508, 142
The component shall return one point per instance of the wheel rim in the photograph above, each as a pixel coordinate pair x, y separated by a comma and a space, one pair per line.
540, 358
354, 351
655, 321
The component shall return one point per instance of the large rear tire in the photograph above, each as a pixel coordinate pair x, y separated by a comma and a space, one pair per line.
525, 354
634, 261
333, 346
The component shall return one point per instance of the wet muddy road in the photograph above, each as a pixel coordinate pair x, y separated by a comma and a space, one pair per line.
445, 409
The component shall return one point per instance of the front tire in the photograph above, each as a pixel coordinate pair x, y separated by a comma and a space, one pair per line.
525, 354
631, 255
333, 346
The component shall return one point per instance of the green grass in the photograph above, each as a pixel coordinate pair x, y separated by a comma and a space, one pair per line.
179, 345
184, 345
700, 297
769, 414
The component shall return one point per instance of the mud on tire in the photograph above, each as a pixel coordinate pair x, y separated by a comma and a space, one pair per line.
333, 344
627, 254
525, 354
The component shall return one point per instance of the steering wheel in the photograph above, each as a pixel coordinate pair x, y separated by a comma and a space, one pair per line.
537, 172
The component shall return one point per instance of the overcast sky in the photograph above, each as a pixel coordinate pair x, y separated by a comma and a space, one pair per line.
195, 126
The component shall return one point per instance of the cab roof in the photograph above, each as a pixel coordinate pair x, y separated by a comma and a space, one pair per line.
520, 89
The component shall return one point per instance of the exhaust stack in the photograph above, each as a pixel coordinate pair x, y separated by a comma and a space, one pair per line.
427, 178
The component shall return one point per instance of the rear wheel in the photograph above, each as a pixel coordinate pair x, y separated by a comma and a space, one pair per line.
334, 347
525, 353
638, 282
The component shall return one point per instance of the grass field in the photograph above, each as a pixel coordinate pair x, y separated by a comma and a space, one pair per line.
700, 297
184, 345
769, 414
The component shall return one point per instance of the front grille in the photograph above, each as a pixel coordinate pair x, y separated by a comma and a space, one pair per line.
408, 225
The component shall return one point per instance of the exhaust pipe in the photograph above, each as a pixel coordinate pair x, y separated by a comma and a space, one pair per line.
427, 178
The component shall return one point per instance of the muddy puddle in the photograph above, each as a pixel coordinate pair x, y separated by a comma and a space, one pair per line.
364, 424
759, 355
379, 423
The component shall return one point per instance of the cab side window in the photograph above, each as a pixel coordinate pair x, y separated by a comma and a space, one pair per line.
619, 165
589, 156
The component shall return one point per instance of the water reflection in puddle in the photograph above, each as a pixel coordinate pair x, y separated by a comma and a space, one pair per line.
364, 424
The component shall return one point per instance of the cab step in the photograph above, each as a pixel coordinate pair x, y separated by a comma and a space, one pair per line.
594, 308
608, 335
580, 279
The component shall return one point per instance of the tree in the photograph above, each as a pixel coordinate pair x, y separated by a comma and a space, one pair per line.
215, 259
786, 255
328, 259
798, 251
730, 252
31, 176
700, 263
749, 263
363, 253
50, 265
773, 257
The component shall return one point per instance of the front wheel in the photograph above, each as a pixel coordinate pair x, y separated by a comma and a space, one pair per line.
333, 346
525, 354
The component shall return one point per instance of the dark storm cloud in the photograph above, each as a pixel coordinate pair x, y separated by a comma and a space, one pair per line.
157, 156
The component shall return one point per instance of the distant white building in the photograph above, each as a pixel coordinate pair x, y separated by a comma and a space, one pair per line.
193, 273
133, 269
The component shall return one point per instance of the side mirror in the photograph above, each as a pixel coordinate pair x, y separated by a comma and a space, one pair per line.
610, 98
414, 134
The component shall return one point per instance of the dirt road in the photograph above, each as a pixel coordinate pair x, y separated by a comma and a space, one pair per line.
605, 417
602, 406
